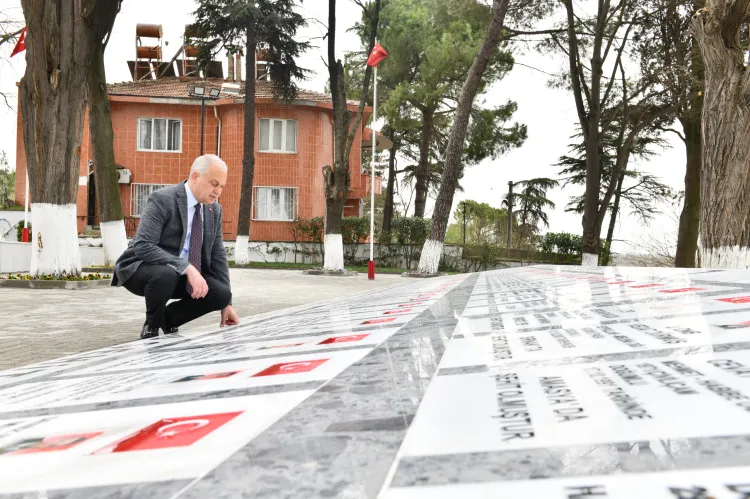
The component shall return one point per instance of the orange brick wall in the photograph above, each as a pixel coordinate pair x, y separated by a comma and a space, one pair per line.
301, 170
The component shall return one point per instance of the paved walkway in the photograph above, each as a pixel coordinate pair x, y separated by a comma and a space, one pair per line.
39, 325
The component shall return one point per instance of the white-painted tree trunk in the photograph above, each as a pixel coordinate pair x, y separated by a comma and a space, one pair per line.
334, 252
54, 240
725, 258
589, 260
241, 250
429, 261
114, 239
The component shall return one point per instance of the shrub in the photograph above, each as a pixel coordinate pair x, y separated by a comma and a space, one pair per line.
19, 230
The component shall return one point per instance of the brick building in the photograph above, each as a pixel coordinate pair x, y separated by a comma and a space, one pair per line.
157, 127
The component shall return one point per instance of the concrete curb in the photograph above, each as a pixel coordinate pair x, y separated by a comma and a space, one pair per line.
101, 270
419, 275
333, 273
42, 284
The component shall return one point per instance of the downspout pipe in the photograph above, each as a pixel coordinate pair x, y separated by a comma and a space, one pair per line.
218, 141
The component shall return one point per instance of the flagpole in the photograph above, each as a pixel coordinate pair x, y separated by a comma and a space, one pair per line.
25, 233
371, 267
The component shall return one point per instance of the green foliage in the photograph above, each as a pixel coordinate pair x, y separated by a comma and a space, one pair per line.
529, 205
431, 45
410, 230
223, 24
354, 229
7, 183
410, 234
641, 193
96, 276
19, 229
312, 230
563, 243
484, 224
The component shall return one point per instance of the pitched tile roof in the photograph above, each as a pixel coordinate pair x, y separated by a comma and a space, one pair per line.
175, 87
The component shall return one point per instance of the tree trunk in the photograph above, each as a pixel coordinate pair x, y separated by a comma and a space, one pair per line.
422, 174
590, 240
615, 211
388, 208
336, 180
61, 42
725, 179
111, 218
687, 237
241, 251
433, 246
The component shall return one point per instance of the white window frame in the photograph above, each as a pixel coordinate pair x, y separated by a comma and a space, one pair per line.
295, 209
133, 190
151, 119
283, 150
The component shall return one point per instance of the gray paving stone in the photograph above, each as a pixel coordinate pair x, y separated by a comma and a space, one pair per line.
38, 325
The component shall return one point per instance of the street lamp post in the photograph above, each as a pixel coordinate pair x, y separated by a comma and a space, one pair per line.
200, 92
510, 215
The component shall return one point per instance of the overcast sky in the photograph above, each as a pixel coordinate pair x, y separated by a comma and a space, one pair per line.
549, 114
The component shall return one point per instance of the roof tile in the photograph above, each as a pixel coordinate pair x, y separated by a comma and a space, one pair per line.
176, 87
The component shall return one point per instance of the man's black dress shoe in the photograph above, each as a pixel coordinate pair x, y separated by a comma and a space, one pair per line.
149, 332
171, 330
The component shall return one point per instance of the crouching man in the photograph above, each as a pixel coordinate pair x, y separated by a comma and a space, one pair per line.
178, 253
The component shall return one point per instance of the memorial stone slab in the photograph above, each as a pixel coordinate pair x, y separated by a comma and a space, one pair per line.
544, 381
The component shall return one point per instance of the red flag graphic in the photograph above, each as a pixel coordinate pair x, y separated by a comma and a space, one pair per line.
21, 44
378, 54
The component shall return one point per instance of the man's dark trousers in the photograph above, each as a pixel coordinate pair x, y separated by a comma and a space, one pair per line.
159, 283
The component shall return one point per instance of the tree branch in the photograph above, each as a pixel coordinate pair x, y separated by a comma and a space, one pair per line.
573, 61
732, 19
618, 62
4, 38
365, 85
672, 130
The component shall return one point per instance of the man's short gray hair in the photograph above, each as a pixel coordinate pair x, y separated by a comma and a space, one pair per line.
203, 163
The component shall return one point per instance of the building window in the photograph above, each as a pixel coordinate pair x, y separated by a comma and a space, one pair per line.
139, 194
278, 136
275, 203
159, 134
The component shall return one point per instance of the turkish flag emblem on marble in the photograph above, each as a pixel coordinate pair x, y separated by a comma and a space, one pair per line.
681, 290
343, 339
46, 444
170, 432
391, 312
290, 368
736, 299
379, 321
202, 377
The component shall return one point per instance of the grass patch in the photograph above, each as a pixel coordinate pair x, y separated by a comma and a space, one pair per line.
308, 266
14, 207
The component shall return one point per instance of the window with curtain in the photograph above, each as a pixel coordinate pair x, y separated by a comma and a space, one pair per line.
277, 135
275, 203
159, 134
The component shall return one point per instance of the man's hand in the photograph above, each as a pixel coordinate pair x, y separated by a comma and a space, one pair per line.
229, 317
198, 283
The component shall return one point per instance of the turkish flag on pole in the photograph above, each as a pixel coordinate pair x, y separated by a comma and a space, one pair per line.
21, 44
378, 54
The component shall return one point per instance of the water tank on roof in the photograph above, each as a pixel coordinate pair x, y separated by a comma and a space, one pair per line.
148, 30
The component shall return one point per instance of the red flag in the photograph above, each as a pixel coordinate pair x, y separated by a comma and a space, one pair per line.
21, 44
378, 54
